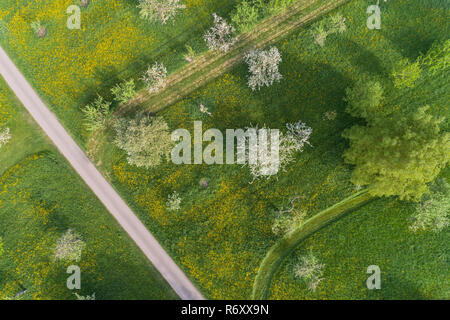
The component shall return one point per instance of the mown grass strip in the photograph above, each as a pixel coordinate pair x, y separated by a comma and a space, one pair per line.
290, 241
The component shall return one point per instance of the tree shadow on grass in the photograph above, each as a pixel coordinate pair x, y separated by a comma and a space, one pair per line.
306, 93
365, 60
410, 43
395, 288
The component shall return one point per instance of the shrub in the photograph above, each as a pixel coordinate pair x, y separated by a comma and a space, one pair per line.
97, 114
5, 136
287, 222
190, 54
245, 16
364, 97
320, 34
39, 29
124, 92
173, 202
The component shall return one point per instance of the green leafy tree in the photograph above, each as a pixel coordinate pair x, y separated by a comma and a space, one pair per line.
398, 155
97, 114
437, 58
405, 73
124, 92
245, 16
145, 140
364, 98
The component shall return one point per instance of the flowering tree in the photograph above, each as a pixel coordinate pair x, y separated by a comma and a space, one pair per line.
4, 137
288, 219
295, 138
145, 140
309, 270
69, 247
433, 212
159, 10
155, 77
220, 36
263, 67
173, 202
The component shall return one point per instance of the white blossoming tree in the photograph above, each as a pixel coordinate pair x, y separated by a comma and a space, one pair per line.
173, 202
220, 36
310, 270
155, 77
263, 67
69, 247
294, 140
5, 136
433, 212
159, 10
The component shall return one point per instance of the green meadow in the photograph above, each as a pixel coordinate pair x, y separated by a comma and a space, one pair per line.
223, 231
40, 198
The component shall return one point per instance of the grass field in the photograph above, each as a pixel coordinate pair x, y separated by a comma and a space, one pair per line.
413, 265
70, 67
222, 233
40, 198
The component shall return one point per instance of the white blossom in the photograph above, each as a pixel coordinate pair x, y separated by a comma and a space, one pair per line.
204, 109
173, 202
310, 270
69, 247
155, 77
159, 10
4, 137
263, 67
220, 36
289, 143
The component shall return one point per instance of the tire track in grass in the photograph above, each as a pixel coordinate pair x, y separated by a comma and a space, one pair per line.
211, 64
286, 245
